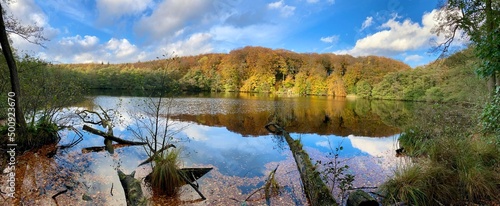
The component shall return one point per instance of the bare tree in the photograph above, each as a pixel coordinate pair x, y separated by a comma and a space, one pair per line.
155, 126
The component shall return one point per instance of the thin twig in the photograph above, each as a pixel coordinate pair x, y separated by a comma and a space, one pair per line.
61, 192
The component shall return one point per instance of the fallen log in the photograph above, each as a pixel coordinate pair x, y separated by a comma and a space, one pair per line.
111, 137
361, 198
316, 190
132, 189
103, 148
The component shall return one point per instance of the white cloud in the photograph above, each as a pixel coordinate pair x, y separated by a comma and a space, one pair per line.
413, 58
171, 17
120, 48
396, 37
87, 42
330, 39
325, 144
88, 49
110, 10
197, 43
251, 35
312, 1
375, 146
28, 13
367, 23
284, 9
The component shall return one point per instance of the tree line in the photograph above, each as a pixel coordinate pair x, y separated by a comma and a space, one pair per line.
249, 69
263, 70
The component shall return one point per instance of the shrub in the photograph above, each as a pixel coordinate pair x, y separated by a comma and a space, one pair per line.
491, 114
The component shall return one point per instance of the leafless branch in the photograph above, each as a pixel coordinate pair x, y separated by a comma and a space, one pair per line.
31, 33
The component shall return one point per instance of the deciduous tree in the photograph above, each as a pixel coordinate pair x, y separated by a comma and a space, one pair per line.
8, 24
479, 20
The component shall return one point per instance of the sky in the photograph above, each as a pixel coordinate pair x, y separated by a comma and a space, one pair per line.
121, 31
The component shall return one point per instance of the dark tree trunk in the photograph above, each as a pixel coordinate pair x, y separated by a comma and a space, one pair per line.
14, 79
314, 188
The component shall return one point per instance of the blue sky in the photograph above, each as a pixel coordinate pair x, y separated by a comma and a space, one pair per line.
119, 31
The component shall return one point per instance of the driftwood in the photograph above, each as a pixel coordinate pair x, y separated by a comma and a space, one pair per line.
132, 188
316, 190
59, 193
111, 137
361, 198
267, 187
195, 187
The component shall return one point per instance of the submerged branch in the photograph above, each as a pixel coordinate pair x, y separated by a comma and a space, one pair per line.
103, 148
155, 154
111, 137
267, 186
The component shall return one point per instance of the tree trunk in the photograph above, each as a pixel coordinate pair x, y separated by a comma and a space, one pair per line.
14, 79
132, 189
316, 190
490, 27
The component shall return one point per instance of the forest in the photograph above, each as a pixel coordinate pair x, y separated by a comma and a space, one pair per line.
263, 70
249, 69
260, 70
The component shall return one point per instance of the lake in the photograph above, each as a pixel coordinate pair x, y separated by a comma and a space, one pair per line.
224, 131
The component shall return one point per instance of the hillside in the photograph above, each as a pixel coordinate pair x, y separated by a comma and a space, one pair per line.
250, 69
447, 80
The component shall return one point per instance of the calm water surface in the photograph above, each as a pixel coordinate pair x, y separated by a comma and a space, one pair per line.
226, 132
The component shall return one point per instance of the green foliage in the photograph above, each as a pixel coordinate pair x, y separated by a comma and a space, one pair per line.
451, 165
457, 170
487, 51
434, 94
491, 114
415, 141
335, 172
405, 186
43, 132
363, 89
45, 90
447, 80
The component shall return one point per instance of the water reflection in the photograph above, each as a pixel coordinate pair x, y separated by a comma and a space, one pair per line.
248, 114
227, 133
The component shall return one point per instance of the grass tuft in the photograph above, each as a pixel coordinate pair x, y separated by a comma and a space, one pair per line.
165, 178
